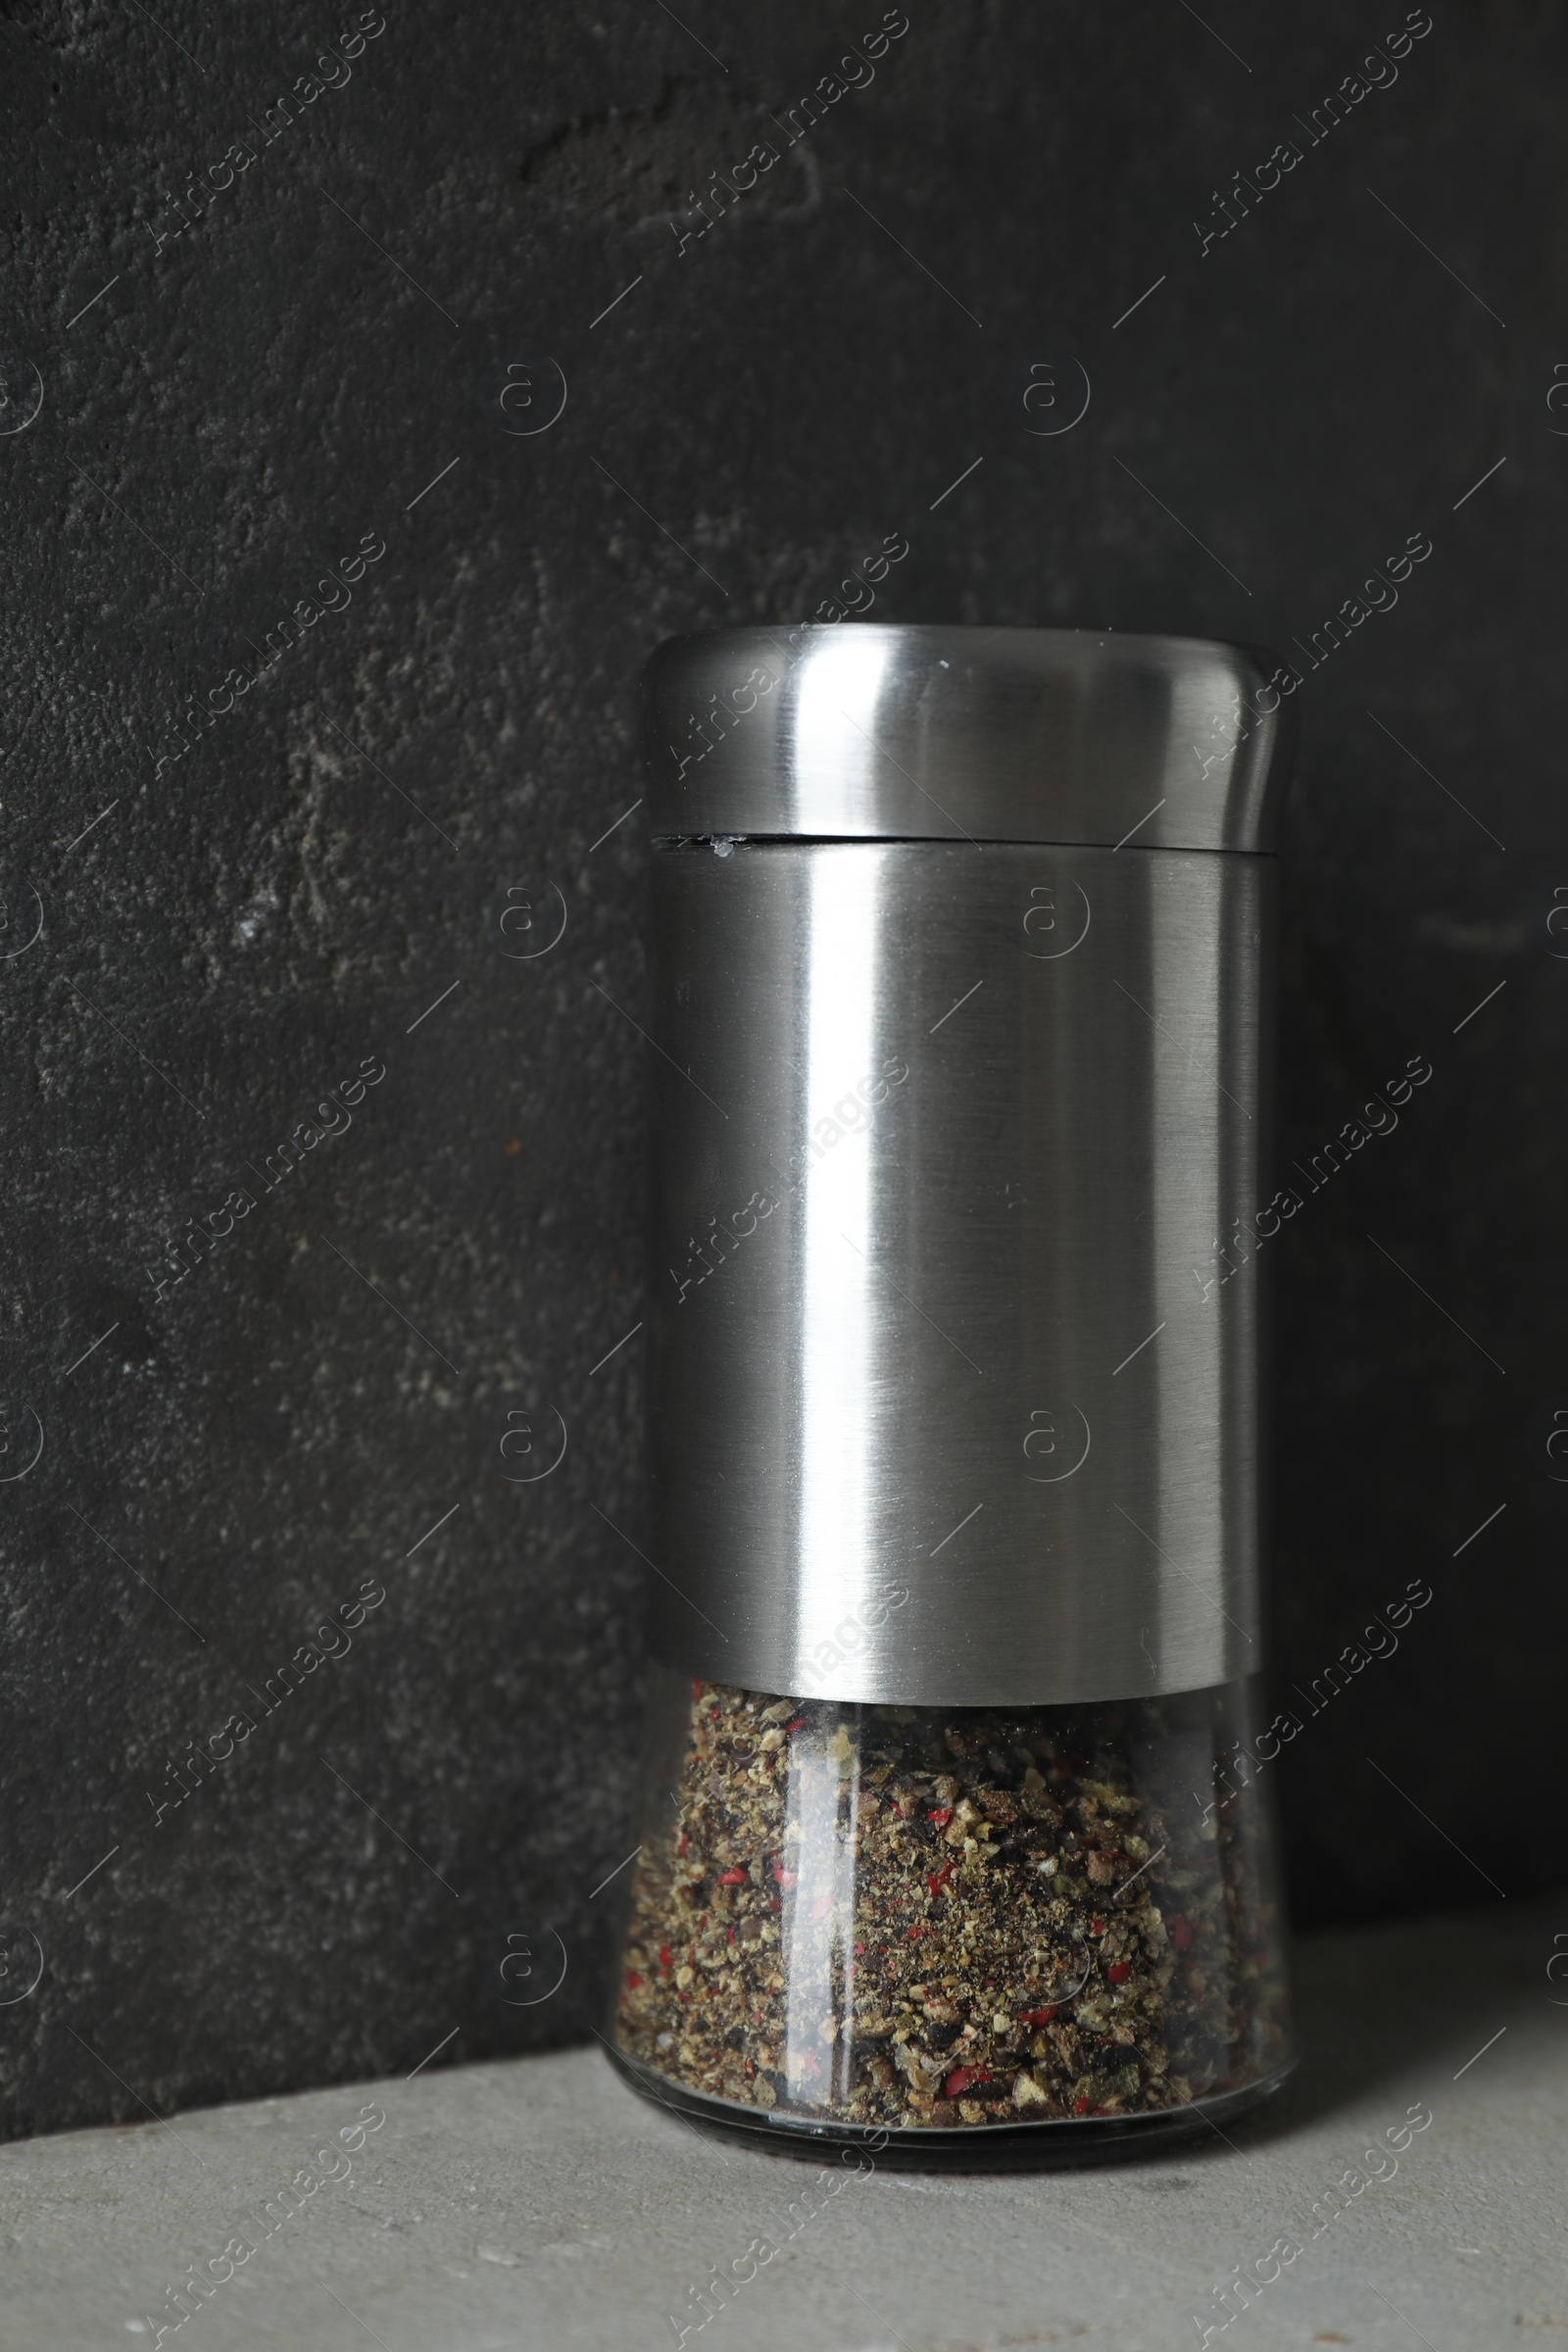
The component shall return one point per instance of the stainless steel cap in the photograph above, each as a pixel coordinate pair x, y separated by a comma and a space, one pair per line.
954, 1351
871, 731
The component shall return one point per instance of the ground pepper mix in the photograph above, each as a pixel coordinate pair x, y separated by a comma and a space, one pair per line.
922, 1917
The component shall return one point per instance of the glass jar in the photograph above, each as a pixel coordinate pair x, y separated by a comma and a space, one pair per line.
954, 1926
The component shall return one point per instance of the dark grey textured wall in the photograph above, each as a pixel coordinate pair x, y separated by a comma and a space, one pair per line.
241, 911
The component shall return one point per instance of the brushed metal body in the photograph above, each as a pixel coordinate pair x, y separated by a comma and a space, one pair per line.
951, 1401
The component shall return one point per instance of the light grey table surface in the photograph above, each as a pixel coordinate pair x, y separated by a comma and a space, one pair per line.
538, 2202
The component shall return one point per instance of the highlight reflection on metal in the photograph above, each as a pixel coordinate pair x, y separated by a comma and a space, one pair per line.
835, 1545
971, 1344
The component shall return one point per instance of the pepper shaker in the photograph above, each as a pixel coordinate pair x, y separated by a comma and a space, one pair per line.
958, 1830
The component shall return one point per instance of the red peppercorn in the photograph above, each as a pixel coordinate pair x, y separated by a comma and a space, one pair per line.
961, 2079
633, 1979
665, 1960
940, 1878
732, 1878
796, 1724
1082, 2107
941, 1815
1120, 1973
1096, 1927
1181, 1933
1038, 2017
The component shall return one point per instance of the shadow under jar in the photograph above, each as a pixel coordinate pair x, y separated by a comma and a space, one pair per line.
954, 1838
